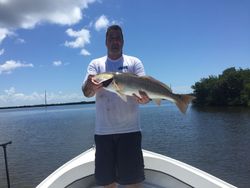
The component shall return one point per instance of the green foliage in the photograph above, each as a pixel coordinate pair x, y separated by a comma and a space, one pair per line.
231, 88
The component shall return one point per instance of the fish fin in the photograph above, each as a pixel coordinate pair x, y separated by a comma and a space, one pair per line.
123, 97
157, 101
183, 101
118, 90
116, 86
107, 82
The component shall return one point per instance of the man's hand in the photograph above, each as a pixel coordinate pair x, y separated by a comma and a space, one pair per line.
91, 86
143, 99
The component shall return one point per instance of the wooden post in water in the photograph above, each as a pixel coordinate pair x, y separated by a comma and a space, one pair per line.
6, 161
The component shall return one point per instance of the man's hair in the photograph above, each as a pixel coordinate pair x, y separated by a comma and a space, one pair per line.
114, 27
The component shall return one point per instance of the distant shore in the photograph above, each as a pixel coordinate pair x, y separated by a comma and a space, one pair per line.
45, 105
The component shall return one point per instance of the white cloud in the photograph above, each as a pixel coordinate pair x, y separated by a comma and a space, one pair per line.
11, 65
1, 52
84, 52
101, 23
28, 13
11, 97
82, 38
10, 91
4, 33
57, 63
20, 41
61, 97
3, 1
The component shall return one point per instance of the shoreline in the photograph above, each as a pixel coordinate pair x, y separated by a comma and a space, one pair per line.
45, 105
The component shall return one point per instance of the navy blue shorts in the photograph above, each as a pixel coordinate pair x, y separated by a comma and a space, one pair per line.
119, 159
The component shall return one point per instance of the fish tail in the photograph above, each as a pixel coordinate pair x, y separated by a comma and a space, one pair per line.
183, 101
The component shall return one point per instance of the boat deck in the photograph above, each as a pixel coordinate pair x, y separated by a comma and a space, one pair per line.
154, 179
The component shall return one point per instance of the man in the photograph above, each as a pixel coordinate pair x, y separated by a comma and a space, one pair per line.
117, 131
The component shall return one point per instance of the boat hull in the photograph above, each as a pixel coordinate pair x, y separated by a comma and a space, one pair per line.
160, 171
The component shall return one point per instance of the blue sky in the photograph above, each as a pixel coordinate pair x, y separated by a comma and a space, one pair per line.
47, 45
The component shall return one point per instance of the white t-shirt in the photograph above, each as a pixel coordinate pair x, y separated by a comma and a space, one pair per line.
113, 115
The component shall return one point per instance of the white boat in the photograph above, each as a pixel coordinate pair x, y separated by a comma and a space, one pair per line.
160, 172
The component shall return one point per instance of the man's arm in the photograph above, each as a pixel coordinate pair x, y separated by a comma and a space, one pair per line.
90, 87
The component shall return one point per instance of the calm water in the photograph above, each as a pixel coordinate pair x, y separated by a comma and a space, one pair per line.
216, 140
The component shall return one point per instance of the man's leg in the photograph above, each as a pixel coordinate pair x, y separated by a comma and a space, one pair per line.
130, 165
113, 185
104, 161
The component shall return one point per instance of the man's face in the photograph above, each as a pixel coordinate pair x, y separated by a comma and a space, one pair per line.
114, 42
